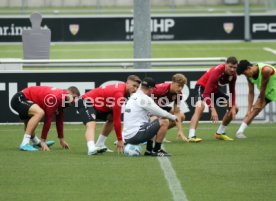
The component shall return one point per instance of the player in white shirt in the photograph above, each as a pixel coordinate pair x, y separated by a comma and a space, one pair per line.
138, 127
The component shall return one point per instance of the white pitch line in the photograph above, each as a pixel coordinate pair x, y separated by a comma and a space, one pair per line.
173, 182
269, 50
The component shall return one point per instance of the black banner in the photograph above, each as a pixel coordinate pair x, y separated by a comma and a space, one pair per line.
11, 83
168, 28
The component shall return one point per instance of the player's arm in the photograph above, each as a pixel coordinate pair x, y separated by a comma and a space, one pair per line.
179, 122
250, 96
266, 73
232, 105
49, 115
209, 89
117, 109
59, 127
148, 104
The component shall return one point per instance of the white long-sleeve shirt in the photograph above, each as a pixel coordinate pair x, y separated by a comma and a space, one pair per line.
137, 111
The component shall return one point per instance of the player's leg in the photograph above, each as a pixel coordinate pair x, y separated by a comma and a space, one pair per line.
29, 112
35, 114
35, 140
146, 133
200, 105
257, 108
88, 116
220, 134
161, 133
106, 130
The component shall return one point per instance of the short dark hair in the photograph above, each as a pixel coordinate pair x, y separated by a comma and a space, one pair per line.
231, 60
134, 78
242, 66
74, 90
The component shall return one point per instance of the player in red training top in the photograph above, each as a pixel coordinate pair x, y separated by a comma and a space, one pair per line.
34, 103
165, 94
105, 103
207, 91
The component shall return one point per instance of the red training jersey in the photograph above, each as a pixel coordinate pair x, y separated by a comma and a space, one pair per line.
50, 100
163, 96
109, 98
215, 77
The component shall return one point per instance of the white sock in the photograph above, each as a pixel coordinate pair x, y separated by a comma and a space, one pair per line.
101, 140
35, 140
26, 139
242, 127
91, 145
191, 132
221, 129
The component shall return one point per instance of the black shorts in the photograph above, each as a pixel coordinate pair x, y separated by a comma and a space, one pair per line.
21, 105
146, 132
200, 89
88, 112
166, 108
267, 101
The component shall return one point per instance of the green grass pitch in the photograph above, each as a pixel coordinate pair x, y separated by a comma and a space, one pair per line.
251, 51
242, 170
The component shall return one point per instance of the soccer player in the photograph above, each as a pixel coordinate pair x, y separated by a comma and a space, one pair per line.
207, 89
165, 94
105, 103
137, 125
34, 103
264, 77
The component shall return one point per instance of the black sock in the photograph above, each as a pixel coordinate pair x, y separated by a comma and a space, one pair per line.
157, 146
149, 145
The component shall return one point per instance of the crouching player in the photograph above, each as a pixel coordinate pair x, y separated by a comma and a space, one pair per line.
105, 103
165, 94
138, 127
34, 103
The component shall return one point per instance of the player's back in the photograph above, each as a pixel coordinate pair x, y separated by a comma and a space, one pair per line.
43, 95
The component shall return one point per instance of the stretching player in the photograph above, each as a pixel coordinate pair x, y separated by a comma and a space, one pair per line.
167, 93
264, 76
207, 88
34, 103
105, 103
138, 127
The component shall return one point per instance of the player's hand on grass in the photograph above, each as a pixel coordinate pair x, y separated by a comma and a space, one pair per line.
44, 146
120, 146
63, 144
181, 135
214, 115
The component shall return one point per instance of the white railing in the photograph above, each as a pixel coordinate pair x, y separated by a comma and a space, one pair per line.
33, 61
124, 63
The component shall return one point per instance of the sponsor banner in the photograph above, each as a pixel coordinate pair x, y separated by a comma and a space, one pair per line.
11, 83
167, 28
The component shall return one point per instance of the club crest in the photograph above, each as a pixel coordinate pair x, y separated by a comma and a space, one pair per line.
228, 27
74, 29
